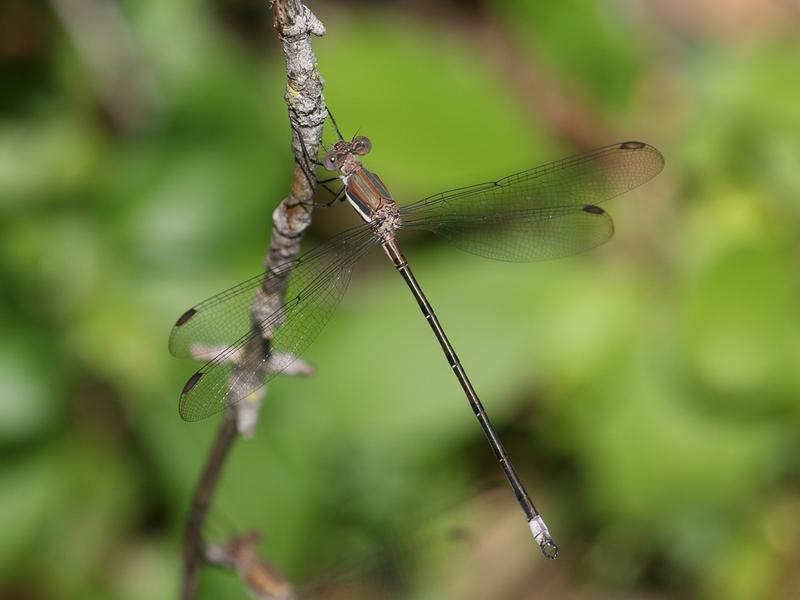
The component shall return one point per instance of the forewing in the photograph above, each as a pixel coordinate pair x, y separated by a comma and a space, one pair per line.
589, 178
225, 318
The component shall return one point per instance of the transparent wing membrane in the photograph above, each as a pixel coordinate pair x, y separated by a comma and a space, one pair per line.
269, 347
540, 234
225, 317
545, 212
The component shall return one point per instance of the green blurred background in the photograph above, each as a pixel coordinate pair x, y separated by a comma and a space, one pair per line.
648, 391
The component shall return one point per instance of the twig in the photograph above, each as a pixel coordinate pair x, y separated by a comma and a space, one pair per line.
194, 552
294, 23
262, 579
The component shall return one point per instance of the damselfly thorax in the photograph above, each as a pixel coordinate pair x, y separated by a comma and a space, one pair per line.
365, 191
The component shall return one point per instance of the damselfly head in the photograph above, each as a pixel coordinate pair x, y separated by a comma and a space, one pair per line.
336, 159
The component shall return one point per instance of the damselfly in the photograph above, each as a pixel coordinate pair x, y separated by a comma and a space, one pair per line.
546, 212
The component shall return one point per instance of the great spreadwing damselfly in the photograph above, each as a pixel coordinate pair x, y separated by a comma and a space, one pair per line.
546, 212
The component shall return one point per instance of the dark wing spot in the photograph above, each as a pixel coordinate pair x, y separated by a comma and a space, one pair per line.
191, 383
595, 210
632, 145
185, 317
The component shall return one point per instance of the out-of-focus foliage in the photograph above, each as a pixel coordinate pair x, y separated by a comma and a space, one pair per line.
648, 392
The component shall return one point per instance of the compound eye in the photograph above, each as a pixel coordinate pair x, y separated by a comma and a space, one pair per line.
361, 145
331, 161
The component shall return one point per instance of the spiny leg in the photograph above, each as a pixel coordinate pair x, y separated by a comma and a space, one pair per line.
310, 176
